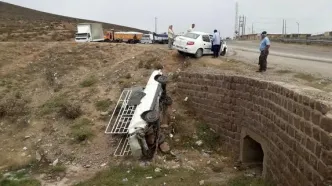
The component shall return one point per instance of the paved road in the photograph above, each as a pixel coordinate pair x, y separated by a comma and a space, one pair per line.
310, 59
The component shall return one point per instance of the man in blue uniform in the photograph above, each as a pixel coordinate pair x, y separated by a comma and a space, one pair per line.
264, 49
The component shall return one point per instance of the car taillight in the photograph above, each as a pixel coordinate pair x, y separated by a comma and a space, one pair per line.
190, 43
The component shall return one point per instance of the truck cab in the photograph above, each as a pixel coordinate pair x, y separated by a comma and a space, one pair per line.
82, 37
147, 39
89, 32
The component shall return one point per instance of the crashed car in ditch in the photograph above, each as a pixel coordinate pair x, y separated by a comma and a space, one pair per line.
137, 117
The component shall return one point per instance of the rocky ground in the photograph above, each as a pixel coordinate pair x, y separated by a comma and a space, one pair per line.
56, 100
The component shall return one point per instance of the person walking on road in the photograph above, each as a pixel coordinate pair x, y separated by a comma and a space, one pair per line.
264, 49
215, 44
170, 37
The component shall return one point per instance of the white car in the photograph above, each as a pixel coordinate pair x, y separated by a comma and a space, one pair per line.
197, 43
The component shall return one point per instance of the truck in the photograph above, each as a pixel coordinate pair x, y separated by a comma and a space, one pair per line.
154, 38
160, 38
128, 37
89, 32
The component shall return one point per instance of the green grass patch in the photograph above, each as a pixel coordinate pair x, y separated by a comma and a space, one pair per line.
248, 181
103, 105
62, 106
23, 182
53, 105
81, 129
88, 82
138, 176
19, 178
211, 140
306, 77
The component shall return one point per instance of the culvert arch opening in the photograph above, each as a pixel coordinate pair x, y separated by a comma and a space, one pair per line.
252, 153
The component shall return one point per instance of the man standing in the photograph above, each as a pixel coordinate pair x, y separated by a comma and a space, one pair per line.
216, 44
170, 37
191, 28
264, 49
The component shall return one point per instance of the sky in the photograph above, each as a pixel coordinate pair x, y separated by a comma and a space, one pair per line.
312, 16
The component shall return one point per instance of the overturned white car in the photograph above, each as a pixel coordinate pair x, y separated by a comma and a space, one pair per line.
137, 117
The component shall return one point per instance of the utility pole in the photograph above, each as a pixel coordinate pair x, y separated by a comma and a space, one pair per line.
283, 27
244, 27
298, 27
241, 25
155, 24
252, 28
236, 29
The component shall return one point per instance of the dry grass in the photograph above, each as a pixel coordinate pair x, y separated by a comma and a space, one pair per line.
88, 82
81, 130
13, 105
62, 106
306, 77
248, 181
103, 105
124, 175
283, 71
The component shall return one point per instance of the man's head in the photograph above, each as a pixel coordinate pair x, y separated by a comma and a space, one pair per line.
171, 26
215, 31
193, 25
264, 34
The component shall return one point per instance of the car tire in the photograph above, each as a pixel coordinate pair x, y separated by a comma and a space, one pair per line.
151, 117
162, 79
223, 53
199, 53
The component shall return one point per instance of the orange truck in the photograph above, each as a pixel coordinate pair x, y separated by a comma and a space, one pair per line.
129, 37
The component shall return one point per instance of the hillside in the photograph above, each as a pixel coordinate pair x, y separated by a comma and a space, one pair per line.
24, 24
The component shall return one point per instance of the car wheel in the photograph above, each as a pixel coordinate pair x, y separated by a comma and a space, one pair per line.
223, 53
151, 116
199, 53
162, 79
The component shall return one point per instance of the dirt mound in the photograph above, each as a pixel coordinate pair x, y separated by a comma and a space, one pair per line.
24, 24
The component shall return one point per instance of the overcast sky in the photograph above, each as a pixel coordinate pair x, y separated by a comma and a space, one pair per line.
313, 16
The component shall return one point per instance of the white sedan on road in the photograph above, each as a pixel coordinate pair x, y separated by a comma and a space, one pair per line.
197, 43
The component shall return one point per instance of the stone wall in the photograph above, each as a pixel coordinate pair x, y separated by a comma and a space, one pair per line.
294, 130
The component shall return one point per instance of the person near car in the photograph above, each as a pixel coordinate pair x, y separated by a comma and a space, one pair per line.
216, 44
264, 49
191, 28
170, 36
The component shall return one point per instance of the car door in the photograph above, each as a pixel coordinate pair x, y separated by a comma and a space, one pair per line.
206, 44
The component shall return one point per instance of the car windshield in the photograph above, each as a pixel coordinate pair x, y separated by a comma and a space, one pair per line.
191, 35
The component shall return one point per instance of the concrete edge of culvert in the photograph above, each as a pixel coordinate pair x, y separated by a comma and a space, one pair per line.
301, 57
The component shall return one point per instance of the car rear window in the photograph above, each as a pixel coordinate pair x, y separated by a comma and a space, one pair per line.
191, 35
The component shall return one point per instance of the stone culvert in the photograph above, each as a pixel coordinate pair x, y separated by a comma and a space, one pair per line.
290, 133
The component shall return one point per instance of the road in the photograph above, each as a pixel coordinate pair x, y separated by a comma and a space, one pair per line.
303, 58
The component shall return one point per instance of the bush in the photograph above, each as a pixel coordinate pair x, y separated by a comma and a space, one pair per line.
71, 111
13, 106
89, 81
61, 105
103, 105
81, 130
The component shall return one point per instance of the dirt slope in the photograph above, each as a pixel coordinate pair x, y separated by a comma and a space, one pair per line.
24, 24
